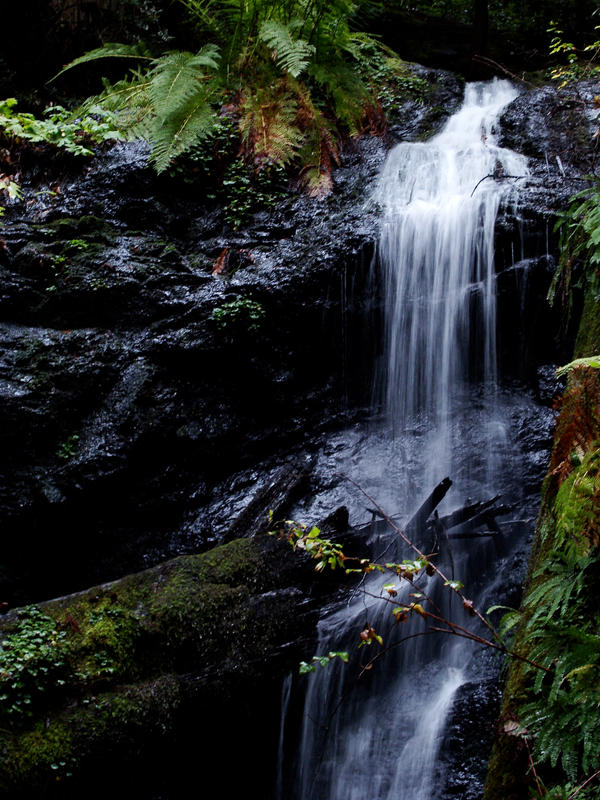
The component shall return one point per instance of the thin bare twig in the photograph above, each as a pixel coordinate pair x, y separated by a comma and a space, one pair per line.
584, 784
466, 602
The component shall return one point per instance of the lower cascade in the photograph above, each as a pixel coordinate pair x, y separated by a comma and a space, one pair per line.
379, 733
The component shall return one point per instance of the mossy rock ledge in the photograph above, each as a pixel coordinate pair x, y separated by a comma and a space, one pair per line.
179, 664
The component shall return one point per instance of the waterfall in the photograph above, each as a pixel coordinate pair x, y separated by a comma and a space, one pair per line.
436, 250
377, 734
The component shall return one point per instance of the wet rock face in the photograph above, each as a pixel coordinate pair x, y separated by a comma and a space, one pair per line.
468, 740
555, 129
550, 124
134, 382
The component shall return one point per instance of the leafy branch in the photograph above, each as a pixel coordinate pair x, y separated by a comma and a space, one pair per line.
329, 554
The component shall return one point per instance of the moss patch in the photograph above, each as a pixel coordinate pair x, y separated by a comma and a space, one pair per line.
588, 334
132, 648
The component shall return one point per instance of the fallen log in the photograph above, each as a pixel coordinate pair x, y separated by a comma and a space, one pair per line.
129, 673
418, 520
467, 512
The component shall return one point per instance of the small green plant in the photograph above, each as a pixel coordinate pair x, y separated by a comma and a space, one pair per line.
215, 164
32, 663
240, 313
328, 553
12, 189
68, 448
301, 537
58, 128
575, 68
76, 246
244, 191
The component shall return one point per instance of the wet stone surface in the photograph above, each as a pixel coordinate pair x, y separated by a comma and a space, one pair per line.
132, 389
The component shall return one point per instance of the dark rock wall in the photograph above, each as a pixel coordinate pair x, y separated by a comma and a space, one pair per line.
125, 399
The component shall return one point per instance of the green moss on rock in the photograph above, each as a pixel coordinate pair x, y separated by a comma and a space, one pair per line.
134, 647
588, 334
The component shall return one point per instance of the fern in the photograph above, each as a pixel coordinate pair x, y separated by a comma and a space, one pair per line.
292, 54
130, 99
137, 51
176, 78
579, 242
562, 630
345, 92
268, 131
180, 97
177, 132
327, 91
170, 105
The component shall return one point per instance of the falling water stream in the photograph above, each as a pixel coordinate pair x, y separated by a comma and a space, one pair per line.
379, 737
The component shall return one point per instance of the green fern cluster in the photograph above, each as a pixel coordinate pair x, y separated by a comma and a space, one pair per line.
294, 75
170, 103
579, 262
563, 631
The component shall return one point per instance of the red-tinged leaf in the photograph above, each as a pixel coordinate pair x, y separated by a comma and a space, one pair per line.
221, 265
419, 609
364, 635
468, 606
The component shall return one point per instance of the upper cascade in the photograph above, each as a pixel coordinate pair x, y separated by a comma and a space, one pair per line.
436, 250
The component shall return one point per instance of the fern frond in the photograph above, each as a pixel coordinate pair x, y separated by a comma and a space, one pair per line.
356, 41
110, 50
318, 155
346, 92
126, 93
291, 54
268, 129
176, 76
214, 16
175, 134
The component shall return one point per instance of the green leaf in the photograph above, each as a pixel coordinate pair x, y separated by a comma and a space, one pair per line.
339, 654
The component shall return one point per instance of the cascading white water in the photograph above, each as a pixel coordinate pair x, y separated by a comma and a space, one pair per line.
436, 251
379, 739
